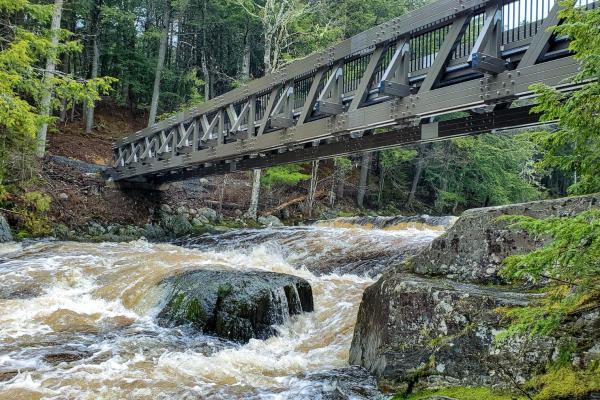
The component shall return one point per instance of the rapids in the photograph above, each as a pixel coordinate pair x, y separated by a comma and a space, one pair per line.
77, 319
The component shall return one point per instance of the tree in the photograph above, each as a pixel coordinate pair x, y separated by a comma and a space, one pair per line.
365, 165
575, 146
160, 63
26, 103
48, 76
480, 171
312, 189
276, 17
95, 33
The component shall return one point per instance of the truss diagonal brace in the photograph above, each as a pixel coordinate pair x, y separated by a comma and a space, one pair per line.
484, 56
540, 42
434, 73
330, 100
362, 92
394, 81
283, 114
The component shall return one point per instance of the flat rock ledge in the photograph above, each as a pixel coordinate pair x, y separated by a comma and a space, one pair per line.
432, 321
234, 305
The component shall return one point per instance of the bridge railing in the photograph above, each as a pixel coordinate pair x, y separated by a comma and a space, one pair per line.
446, 43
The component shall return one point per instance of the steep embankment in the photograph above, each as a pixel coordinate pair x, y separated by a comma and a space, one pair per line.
433, 321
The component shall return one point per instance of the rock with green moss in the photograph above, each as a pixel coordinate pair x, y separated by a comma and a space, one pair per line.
232, 304
472, 250
420, 332
175, 225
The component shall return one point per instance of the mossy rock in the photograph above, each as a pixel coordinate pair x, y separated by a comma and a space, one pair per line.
232, 304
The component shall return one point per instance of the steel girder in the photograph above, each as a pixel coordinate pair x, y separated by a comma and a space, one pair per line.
450, 56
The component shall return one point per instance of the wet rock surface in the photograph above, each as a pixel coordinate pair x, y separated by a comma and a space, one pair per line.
473, 249
235, 305
441, 331
432, 321
350, 383
5, 233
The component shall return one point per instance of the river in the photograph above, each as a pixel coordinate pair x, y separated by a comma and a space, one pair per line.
77, 320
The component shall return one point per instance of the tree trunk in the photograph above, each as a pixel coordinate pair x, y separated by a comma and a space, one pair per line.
203, 58
89, 121
381, 182
162, 49
48, 74
341, 185
417, 176
253, 209
312, 190
364, 175
333, 179
245, 73
267, 55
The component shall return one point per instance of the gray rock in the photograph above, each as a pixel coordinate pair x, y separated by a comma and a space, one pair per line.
63, 196
5, 233
234, 305
197, 222
208, 213
166, 208
271, 220
349, 383
433, 321
182, 210
154, 232
175, 225
442, 332
95, 229
473, 249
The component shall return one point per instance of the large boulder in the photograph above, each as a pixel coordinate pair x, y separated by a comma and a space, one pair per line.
433, 320
439, 332
5, 233
472, 250
232, 304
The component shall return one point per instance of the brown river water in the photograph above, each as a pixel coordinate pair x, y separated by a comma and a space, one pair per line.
77, 319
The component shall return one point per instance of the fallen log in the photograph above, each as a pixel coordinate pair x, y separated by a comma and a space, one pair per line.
285, 205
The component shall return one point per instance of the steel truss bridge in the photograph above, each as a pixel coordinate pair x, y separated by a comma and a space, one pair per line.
398, 83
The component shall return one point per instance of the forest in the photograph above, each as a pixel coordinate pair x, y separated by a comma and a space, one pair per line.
155, 58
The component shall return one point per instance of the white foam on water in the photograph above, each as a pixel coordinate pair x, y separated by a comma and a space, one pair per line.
100, 299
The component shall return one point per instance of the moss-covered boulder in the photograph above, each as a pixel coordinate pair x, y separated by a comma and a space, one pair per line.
434, 320
232, 304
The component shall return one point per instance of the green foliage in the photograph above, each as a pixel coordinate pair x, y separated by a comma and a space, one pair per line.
567, 382
571, 264
284, 175
575, 146
394, 165
32, 210
463, 393
480, 171
22, 82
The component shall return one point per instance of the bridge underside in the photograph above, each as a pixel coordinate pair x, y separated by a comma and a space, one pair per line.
396, 84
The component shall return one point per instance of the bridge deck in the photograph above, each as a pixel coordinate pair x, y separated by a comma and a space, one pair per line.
384, 87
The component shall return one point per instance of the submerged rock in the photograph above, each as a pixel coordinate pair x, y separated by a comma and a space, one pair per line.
234, 305
350, 383
5, 233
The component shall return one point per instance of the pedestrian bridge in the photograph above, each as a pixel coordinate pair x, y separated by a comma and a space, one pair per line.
451, 68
